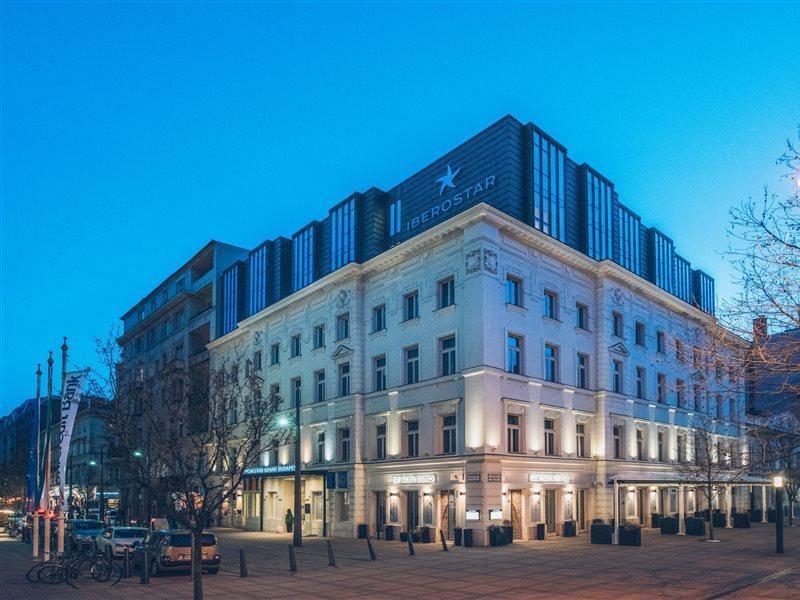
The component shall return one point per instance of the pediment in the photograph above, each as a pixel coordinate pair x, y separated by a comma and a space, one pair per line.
619, 348
342, 351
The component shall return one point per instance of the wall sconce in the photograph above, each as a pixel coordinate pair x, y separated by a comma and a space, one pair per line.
393, 494
568, 492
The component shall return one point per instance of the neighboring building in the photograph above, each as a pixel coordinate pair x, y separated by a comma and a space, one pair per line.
15, 444
485, 342
774, 383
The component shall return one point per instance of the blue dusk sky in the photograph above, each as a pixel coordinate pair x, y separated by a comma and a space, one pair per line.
132, 133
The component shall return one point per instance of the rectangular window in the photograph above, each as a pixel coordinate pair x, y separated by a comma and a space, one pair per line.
514, 354
549, 186
640, 334
275, 397
617, 441
380, 442
379, 373
550, 305
679, 353
275, 354
447, 353
257, 361
641, 382
320, 447
617, 324
661, 342
513, 290
395, 221
662, 387
513, 433
319, 336
412, 438
344, 444
616, 376
294, 346
640, 445
582, 371
662, 449
446, 292
599, 216
550, 448
411, 306
303, 258
551, 362
582, 316
379, 318
343, 327
343, 234
580, 440
681, 440
680, 392
629, 226
342, 506
319, 386
344, 379
297, 391
696, 395
412, 364
449, 434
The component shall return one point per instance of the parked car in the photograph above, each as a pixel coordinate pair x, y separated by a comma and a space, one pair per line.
171, 550
83, 531
119, 538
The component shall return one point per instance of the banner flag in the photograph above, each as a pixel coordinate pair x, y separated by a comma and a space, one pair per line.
70, 401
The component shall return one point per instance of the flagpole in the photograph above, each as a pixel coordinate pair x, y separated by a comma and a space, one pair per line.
60, 509
48, 457
37, 483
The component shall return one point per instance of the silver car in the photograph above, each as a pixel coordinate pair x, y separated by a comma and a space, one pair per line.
119, 538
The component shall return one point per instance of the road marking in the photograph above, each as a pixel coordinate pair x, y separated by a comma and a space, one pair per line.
765, 579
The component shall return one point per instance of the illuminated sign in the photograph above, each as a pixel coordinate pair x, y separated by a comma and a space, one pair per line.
549, 477
413, 478
473, 514
495, 514
268, 470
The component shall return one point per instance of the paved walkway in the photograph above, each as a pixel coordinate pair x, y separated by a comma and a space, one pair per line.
744, 565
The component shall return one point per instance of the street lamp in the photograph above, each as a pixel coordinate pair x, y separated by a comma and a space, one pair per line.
297, 531
777, 482
137, 453
283, 421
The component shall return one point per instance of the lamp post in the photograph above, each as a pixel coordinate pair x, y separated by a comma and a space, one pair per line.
777, 482
101, 488
297, 531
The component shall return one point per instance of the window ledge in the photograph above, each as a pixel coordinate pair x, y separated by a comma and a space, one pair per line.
444, 310
516, 308
378, 333
411, 321
547, 319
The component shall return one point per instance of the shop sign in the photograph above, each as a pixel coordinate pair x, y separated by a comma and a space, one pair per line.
549, 478
494, 477
495, 514
268, 470
413, 478
473, 477
472, 514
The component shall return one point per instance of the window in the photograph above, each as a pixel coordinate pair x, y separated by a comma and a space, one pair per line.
661, 342
449, 434
394, 218
733, 414
641, 380
343, 238
550, 362
514, 354
344, 444
180, 284
320, 446
275, 354
662, 449
380, 442
681, 440
581, 316
582, 371
696, 357
550, 304
599, 216
550, 437
342, 506
294, 346
257, 361
412, 364
379, 373
617, 440
379, 318
640, 445
662, 387
720, 409
679, 354
275, 396
580, 440
549, 186
680, 392
640, 334
343, 326
344, 379
447, 351
696, 394
296, 391
446, 292
319, 336
319, 386
513, 433
617, 324
411, 306
303, 256
412, 438
616, 376
513, 290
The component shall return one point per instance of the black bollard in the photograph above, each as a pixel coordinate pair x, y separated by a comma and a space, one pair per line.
331, 557
126, 565
242, 564
292, 561
371, 551
444, 541
410, 546
144, 574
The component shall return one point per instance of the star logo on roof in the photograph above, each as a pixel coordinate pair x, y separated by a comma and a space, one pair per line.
447, 179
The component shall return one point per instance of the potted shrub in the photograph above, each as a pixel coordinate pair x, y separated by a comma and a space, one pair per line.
669, 525
630, 535
695, 526
496, 535
457, 534
289, 520
600, 532
570, 528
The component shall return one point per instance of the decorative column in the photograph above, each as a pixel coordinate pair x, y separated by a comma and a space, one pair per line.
615, 528
681, 510
728, 507
763, 503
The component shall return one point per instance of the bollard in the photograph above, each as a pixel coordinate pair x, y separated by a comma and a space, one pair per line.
36, 536
410, 546
371, 551
126, 565
292, 561
444, 541
242, 564
331, 557
144, 574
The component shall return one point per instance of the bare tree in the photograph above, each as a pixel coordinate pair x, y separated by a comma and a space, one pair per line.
188, 433
779, 442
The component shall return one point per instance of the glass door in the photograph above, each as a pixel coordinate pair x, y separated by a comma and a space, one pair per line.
412, 510
380, 513
447, 506
550, 510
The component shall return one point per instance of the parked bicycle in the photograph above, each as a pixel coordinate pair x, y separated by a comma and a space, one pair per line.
68, 569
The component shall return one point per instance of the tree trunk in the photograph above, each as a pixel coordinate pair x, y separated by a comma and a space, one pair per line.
710, 516
197, 563
791, 512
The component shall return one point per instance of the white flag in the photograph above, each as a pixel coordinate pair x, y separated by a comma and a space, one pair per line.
70, 402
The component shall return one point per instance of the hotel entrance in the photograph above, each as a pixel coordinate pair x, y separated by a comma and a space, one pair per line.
447, 502
550, 511
516, 512
380, 513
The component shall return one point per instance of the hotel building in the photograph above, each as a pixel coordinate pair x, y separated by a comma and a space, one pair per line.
488, 341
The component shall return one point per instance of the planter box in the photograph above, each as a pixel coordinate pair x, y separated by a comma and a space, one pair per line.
655, 520
771, 515
669, 525
388, 531
600, 533
569, 529
719, 519
509, 532
428, 534
362, 531
741, 521
468, 538
457, 535
496, 536
695, 526
541, 531
630, 535
756, 515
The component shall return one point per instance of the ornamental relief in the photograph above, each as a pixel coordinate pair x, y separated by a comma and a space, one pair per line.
478, 259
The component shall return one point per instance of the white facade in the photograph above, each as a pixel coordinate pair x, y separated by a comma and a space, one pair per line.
526, 450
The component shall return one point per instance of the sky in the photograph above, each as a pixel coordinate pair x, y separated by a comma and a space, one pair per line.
132, 133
